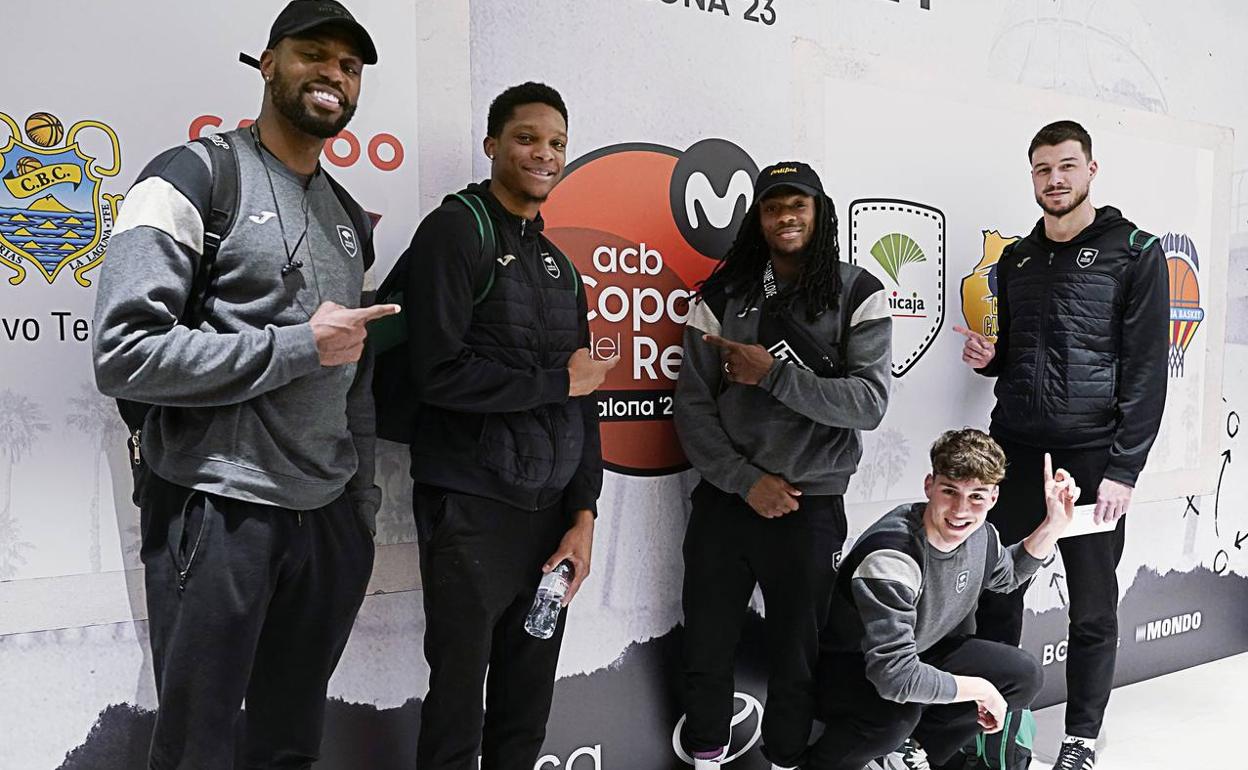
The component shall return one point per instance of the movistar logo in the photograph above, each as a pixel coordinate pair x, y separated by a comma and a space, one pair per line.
718, 209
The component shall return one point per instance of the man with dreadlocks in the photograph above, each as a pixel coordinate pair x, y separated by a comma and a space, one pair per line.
787, 353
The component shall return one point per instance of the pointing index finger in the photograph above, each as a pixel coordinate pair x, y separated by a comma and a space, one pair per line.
373, 312
719, 342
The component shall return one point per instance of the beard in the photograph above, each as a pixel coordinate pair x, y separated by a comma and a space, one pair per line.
1076, 200
288, 99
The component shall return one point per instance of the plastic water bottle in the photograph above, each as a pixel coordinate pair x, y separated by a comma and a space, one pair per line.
549, 601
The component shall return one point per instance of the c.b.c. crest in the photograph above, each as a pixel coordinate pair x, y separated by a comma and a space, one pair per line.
53, 214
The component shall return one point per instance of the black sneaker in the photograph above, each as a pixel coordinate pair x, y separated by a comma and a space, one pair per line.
1076, 754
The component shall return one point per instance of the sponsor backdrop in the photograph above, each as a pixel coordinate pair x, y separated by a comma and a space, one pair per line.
917, 113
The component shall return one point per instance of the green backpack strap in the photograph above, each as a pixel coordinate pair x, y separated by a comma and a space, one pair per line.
1139, 241
489, 243
485, 231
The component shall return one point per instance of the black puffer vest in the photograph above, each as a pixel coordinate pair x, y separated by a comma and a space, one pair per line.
1058, 383
528, 319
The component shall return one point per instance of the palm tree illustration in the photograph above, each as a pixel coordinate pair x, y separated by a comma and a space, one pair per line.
21, 422
891, 454
97, 419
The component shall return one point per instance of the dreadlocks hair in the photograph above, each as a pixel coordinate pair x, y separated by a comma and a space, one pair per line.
819, 285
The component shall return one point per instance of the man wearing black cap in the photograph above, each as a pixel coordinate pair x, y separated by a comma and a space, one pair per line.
787, 353
256, 486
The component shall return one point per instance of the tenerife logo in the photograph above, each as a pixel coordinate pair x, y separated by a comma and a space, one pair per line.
644, 224
979, 289
53, 214
1086, 257
1164, 627
746, 726
903, 244
964, 579
1182, 263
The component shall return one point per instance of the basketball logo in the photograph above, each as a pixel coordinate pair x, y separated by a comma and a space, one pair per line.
44, 129
27, 165
1182, 262
54, 216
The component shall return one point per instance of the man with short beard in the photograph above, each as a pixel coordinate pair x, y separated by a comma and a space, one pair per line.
1080, 362
256, 483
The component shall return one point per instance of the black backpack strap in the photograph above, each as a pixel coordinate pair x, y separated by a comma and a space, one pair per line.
879, 541
359, 220
485, 231
222, 212
1138, 242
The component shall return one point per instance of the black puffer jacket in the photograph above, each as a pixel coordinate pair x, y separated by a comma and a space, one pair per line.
494, 417
1081, 351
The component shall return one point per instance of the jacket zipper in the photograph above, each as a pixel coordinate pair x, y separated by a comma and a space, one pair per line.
1041, 350
542, 348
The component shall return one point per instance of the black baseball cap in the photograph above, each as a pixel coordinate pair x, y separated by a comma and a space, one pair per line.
790, 173
300, 16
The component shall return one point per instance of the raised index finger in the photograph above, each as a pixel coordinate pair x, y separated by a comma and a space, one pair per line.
719, 342
1048, 468
968, 333
373, 312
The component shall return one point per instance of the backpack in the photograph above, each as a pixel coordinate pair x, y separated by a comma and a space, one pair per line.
394, 392
1010, 748
223, 209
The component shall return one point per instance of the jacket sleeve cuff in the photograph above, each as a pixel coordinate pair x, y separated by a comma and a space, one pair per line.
296, 348
1122, 475
948, 689
773, 376
555, 384
748, 477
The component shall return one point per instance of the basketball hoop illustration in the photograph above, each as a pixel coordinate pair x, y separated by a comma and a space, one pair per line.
1185, 310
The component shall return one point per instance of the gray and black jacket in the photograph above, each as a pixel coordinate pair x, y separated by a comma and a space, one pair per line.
494, 416
245, 409
794, 424
1081, 353
896, 596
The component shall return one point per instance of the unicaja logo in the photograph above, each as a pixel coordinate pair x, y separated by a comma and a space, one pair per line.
747, 711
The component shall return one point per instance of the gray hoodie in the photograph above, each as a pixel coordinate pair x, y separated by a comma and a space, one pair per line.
794, 424
246, 409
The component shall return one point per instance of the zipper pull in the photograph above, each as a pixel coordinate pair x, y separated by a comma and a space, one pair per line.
1050, 259
523, 223
136, 442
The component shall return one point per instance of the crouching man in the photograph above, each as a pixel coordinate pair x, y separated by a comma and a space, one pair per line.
898, 665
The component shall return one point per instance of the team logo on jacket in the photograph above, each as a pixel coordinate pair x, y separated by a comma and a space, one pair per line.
1086, 257
643, 224
979, 289
53, 214
903, 244
552, 267
964, 579
347, 236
